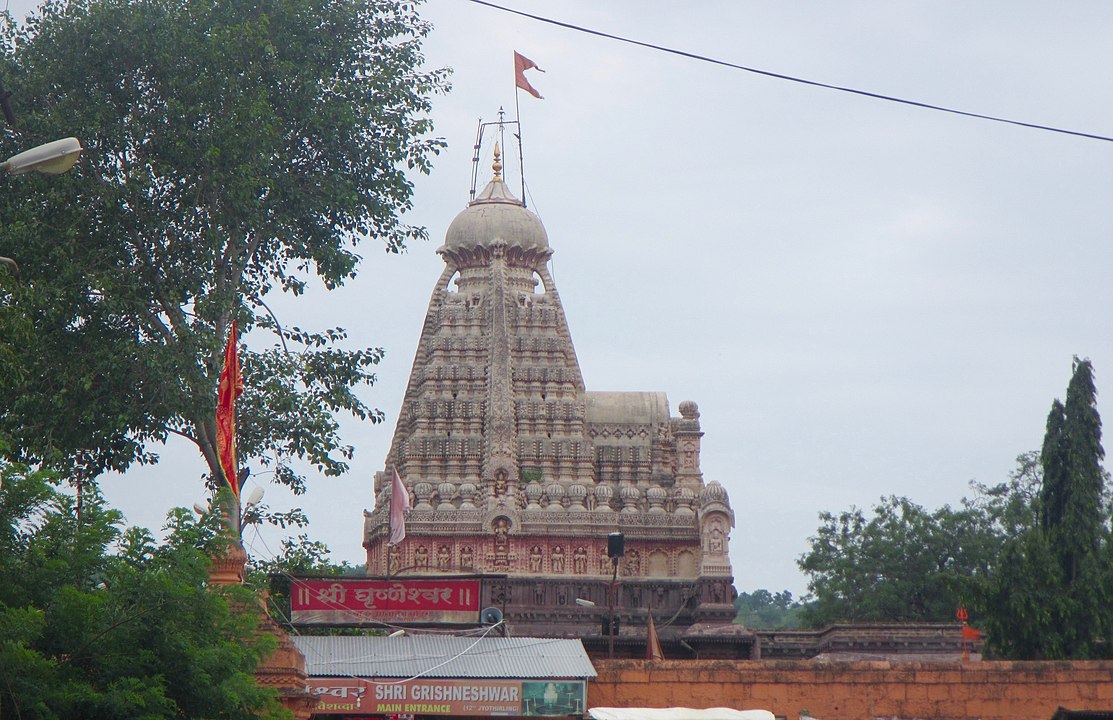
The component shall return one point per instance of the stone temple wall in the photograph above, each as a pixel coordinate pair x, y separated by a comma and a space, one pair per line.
866, 690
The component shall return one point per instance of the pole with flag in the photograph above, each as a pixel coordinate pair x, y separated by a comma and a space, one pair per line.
970, 635
521, 64
652, 642
399, 504
231, 387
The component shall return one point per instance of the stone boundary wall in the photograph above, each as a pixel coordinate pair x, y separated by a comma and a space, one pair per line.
860, 689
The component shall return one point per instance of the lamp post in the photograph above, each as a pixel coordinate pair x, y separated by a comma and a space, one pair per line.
52, 158
616, 548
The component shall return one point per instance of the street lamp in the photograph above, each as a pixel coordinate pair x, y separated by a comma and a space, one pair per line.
616, 548
52, 158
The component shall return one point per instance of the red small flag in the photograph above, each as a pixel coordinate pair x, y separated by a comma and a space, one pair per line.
521, 64
652, 643
399, 504
969, 633
231, 387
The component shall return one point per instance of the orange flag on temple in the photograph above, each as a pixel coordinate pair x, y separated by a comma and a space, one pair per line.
652, 643
521, 64
231, 386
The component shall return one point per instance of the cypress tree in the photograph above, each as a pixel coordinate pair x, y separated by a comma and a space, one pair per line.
1048, 597
1081, 526
1053, 460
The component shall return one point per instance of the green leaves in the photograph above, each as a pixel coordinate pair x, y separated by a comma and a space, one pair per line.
902, 563
1049, 600
88, 632
233, 149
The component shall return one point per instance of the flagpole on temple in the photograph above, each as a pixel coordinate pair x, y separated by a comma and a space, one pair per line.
521, 165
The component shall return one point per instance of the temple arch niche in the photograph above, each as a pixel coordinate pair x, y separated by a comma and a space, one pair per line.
452, 284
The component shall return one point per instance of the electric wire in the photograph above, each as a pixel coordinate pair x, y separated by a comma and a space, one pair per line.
792, 78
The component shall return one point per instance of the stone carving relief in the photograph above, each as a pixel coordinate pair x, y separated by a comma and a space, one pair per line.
535, 559
579, 561
558, 559
688, 455
467, 557
421, 558
632, 565
444, 558
715, 535
502, 543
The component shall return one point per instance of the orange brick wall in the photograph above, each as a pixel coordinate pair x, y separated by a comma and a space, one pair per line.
849, 690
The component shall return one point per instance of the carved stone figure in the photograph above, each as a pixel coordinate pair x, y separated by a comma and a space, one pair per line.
632, 566
557, 559
535, 559
502, 544
579, 560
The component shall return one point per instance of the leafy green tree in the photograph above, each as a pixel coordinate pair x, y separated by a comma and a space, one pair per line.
1049, 597
902, 563
1012, 506
763, 609
234, 150
86, 632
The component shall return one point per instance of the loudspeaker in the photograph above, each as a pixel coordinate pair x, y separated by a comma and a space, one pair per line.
616, 545
490, 616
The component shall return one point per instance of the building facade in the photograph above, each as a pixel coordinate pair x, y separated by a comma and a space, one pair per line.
517, 471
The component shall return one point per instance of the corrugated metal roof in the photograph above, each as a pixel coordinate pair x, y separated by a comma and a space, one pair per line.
444, 656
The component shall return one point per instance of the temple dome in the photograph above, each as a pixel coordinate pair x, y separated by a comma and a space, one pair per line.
495, 217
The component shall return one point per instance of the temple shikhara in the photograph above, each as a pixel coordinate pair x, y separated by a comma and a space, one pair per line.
518, 473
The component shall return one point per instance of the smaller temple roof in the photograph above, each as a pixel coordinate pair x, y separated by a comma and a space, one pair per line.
443, 656
627, 408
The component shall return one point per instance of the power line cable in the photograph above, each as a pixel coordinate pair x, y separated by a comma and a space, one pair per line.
791, 78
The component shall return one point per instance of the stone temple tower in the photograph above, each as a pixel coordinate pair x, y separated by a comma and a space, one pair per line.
517, 472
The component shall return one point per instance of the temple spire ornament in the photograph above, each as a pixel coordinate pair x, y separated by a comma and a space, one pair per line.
496, 166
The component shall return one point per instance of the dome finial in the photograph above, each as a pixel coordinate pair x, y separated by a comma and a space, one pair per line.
497, 164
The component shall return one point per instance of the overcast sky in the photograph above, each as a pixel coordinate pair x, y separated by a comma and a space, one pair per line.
864, 298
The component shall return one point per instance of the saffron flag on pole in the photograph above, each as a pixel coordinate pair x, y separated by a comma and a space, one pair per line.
231, 387
399, 504
652, 643
521, 64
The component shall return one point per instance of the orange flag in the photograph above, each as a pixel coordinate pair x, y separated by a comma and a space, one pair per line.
231, 386
652, 643
521, 64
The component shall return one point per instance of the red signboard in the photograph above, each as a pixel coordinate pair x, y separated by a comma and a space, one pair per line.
358, 697
348, 601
